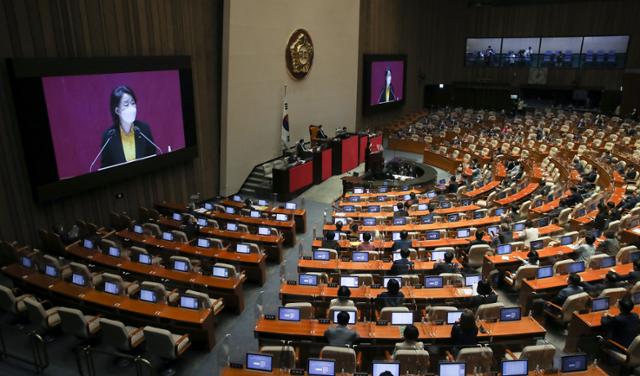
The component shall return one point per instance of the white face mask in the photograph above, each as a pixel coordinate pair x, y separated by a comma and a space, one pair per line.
127, 117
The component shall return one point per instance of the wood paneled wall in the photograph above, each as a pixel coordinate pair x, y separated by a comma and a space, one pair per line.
90, 28
433, 34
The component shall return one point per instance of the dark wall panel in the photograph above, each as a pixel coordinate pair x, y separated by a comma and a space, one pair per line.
92, 28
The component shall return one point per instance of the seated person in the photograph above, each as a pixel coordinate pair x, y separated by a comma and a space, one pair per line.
410, 336
465, 332
413, 200
485, 295
609, 245
624, 327
343, 298
393, 297
614, 213
190, 226
404, 242
611, 280
321, 135
631, 174
302, 150
341, 335
328, 241
634, 276
586, 250
403, 265
453, 186
447, 266
573, 288
530, 233
401, 212
366, 244
630, 201
573, 199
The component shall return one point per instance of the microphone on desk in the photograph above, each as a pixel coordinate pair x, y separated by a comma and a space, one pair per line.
110, 133
140, 133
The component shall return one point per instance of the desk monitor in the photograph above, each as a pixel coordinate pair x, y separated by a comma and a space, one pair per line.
369, 222
259, 362
349, 208
427, 219
544, 272
599, 304
321, 367
607, 262
360, 256
208, 206
453, 217
407, 197
633, 256
88, 244
177, 217
466, 203
395, 208
291, 205
51, 270
575, 267
573, 363
114, 251
349, 281
463, 233
396, 256
472, 279
493, 230
452, 369
538, 202
243, 248
423, 207
566, 240
308, 280
445, 204
358, 190
580, 213
203, 243
180, 266
386, 280
282, 217
144, 258
510, 314
232, 227
498, 211
515, 367
189, 302
479, 214
288, 314
138, 229
382, 198
321, 255
111, 288
433, 235
374, 209
431, 194
237, 198
453, 317
395, 236
502, 195
340, 220
535, 245
438, 255
263, 203
77, 279
254, 214
433, 282
352, 317
220, 272
354, 198
544, 222
230, 210
337, 235
518, 226
401, 221
383, 189
147, 296
504, 249
265, 231
167, 236
379, 367
202, 222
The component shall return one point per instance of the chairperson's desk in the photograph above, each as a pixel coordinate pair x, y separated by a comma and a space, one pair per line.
199, 324
290, 181
230, 289
253, 264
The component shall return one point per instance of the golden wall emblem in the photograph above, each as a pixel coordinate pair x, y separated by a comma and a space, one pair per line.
299, 54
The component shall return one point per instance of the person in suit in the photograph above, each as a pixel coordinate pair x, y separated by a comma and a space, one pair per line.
634, 276
403, 265
127, 139
341, 335
485, 295
572, 289
465, 331
624, 327
321, 134
366, 244
614, 213
610, 245
387, 94
573, 199
329, 242
410, 335
404, 242
453, 186
602, 218
302, 151
447, 266
586, 250
401, 212
611, 280
630, 201
393, 297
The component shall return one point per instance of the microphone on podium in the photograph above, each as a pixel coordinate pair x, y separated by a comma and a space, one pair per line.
140, 133
110, 133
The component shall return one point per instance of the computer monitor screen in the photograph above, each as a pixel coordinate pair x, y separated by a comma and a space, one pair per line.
374, 209
189, 302
386, 280
503, 249
202, 222
431, 194
425, 220
349, 281
203, 243
433, 282
518, 226
382, 198
232, 227
600, 304
438, 255
453, 217
263, 202
321, 255
144, 258
264, 231
383, 189
423, 207
399, 221
138, 229
208, 206
463, 233
26, 262
452, 369
453, 317
510, 314
358, 190
291, 206
254, 214
369, 222
433, 235
381, 367
544, 272
282, 217
220, 272
147, 295
321, 367
243, 248
544, 222
308, 280
340, 220
575, 267
111, 288
407, 197
114, 251
51, 271
87, 244
259, 362
515, 367
607, 262
180, 266
566, 240
472, 279
479, 214
445, 204
360, 256
498, 211
230, 210
573, 363
535, 245
288, 314
336, 235
167, 236
352, 317
77, 279
177, 217
634, 256
349, 208
580, 213
395, 236
237, 198
396, 255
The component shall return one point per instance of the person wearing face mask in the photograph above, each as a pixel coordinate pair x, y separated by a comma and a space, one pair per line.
387, 94
127, 139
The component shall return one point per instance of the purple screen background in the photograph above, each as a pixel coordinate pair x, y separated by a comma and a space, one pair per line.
378, 79
78, 109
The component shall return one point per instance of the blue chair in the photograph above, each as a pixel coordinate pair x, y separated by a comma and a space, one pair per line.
589, 57
568, 56
611, 58
546, 59
600, 57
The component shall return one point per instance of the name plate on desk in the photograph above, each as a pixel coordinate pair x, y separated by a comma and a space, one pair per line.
236, 365
332, 284
269, 317
386, 259
307, 258
292, 283
324, 321
297, 372
382, 323
376, 286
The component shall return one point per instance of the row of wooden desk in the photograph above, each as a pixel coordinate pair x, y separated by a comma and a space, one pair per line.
486, 221
592, 371
412, 213
287, 228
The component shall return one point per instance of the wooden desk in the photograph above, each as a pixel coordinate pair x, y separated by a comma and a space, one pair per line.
485, 189
200, 324
385, 245
486, 221
631, 236
388, 194
373, 266
586, 325
513, 260
253, 264
272, 244
299, 215
287, 228
592, 371
230, 289
521, 194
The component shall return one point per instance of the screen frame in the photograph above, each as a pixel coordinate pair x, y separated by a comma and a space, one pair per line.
25, 77
368, 59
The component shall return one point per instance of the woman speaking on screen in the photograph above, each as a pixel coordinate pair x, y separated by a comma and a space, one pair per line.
127, 139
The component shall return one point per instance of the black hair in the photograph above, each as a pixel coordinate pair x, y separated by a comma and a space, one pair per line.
411, 333
404, 235
467, 320
574, 279
114, 101
400, 205
479, 235
625, 304
590, 239
636, 264
484, 287
393, 286
339, 226
343, 318
610, 234
330, 235
366, 236
344, 292
533, 256
404, 253
448, 257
